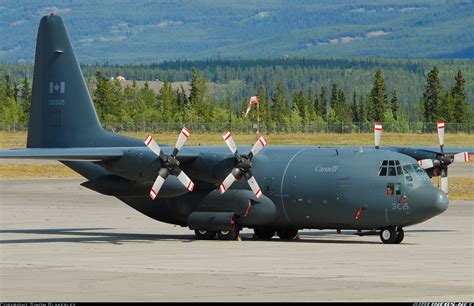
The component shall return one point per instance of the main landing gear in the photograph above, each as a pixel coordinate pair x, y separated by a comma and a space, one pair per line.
221, 235
392, 235
265, 233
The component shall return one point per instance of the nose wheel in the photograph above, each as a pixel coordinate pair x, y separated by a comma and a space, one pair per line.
392, 235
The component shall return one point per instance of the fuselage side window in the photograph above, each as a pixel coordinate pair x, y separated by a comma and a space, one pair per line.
390, 189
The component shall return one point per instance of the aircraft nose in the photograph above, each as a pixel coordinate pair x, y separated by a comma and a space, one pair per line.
441, 201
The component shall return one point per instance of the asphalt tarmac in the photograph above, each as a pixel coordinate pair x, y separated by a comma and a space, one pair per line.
62, 242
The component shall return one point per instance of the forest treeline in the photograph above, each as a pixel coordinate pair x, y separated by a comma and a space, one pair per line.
279, 108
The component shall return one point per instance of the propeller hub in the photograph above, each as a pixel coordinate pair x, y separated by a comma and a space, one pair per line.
244, 165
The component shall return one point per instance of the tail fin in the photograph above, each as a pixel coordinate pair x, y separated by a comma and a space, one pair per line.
62, 114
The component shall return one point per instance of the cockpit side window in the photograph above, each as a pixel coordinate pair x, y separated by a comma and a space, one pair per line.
421, 173
408, 170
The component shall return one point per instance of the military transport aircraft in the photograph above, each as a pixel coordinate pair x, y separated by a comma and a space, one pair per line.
291, 187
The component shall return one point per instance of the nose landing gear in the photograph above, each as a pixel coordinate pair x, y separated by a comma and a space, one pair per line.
392, 235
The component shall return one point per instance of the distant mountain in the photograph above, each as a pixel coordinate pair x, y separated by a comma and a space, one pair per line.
128, 31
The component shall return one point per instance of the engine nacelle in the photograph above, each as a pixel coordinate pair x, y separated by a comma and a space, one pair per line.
136, 165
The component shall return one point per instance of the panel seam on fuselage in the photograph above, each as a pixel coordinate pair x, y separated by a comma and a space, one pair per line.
282, 180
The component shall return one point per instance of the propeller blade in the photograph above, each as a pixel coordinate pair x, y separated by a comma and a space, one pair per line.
444, 184
462, 157
440, 125
229, 140
258, 146
151, 143
186, 181
426, 163
228, 181
183, 136
254, 186
377, 134
157, 186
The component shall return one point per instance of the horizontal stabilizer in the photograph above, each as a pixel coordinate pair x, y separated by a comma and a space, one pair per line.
64, 154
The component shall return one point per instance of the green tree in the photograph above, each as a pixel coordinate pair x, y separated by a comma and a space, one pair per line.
355, 109
26, 99
362, 109
103, 97
280, 104
168, 106
460, 109
334, 96
8, 86
431, 96
295, 118
394, 105
197, 96
323, 103
377, 98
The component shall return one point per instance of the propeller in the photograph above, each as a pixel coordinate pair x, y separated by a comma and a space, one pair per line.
377, 134
169, 163
442, 161
242, 168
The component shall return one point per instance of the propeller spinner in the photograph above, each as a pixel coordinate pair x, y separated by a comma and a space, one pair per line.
442, 161
169, 163
243, 166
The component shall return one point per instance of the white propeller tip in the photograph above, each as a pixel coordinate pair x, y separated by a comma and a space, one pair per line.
263, 141
378, 126
153, 193
258, 194
226, 135
190, 186
440, 124
148, 139
185, 132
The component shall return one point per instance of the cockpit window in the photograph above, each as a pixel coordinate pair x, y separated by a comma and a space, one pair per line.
390, 168
414, 170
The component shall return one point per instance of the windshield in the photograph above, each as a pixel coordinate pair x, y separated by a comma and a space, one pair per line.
414, 170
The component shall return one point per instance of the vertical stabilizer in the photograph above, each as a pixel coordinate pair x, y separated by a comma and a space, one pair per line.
62, 113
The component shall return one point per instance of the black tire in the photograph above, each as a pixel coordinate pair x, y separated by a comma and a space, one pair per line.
400, 236
205, 234
287, 233
264, 233
228, 235
388, 235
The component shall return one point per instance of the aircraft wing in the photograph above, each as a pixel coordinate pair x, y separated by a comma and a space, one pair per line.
64, 154
419, 153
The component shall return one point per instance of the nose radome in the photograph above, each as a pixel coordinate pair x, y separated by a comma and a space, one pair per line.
441, 201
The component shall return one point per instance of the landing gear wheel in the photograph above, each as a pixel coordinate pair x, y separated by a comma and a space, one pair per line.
205, 234
287, 233
228, 235
400, 236
264, 233
388, 235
